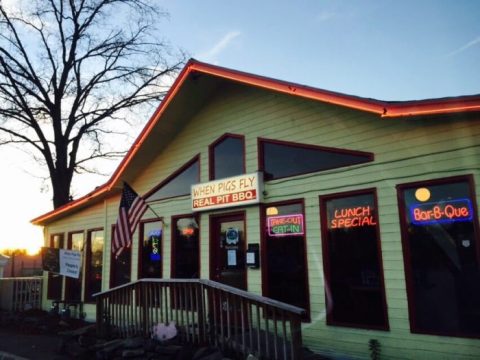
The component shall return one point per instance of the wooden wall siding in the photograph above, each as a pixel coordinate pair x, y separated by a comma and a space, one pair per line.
405, 150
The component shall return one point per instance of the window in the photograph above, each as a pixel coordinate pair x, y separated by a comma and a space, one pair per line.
284, 254
355, 294
93, 263
55, 280
178, 183
227, 157
120, 266
73, 287
280, 159
185, 248
150, 252
441, 253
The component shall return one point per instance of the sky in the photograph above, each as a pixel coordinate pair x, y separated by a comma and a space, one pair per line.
387, 50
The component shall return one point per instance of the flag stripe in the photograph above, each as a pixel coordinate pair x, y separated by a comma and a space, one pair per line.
132, 207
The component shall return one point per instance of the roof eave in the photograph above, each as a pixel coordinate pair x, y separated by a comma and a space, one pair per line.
381, 108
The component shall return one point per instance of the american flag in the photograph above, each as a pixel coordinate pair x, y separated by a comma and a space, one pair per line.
132, 207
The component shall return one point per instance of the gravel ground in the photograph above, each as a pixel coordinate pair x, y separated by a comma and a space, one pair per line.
29, 346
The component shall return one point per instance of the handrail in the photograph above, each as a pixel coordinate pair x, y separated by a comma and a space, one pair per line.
205, 313
216, 285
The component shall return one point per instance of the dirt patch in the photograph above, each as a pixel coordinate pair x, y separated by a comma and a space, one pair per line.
33, 334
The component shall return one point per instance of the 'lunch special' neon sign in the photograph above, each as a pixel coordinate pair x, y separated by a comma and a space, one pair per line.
353, 217
441, 212
285, 225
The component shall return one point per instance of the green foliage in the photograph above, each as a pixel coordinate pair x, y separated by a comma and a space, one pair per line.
374, 347
10, 252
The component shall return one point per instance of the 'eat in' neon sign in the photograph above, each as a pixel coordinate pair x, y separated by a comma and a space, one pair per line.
285, 225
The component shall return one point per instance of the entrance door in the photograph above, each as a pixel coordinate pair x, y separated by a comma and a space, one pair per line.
227, 250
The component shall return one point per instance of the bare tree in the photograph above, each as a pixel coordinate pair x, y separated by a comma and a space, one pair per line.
70, 70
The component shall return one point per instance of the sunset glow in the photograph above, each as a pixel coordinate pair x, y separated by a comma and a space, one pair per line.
31, 239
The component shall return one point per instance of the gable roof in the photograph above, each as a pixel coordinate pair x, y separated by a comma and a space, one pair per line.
194, 84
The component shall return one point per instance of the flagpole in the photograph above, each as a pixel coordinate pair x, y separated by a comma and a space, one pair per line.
153, 211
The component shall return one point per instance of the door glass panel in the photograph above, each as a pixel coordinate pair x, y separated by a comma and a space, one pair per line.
441, 251
55, 280
151, 250
93, 276
185, 249
120, 266
73, 290
352, 263
229, 252
286, 278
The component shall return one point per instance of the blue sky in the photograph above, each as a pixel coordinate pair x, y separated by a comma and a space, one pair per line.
388, 50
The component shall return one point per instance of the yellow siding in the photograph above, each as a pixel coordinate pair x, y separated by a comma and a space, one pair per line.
405, 150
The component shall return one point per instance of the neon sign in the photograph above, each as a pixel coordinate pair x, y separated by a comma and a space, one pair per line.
441, 212
285, 225
352, 217
188, 231
154, 236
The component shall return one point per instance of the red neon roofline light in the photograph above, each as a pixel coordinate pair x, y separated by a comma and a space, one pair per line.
382, 108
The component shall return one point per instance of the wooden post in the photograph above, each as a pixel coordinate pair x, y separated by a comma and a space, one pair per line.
200, 313
100, 327
296, 333
144, 301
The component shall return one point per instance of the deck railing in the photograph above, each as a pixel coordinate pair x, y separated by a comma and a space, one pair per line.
21, 293
205, 313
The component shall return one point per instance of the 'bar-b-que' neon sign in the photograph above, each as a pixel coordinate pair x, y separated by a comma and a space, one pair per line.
441, 212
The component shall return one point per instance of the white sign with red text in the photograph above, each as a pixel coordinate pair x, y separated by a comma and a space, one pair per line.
234, 191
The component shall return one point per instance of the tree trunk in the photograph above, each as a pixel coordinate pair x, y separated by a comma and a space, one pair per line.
61, 191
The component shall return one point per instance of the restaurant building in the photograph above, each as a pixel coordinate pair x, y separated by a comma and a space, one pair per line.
362, 212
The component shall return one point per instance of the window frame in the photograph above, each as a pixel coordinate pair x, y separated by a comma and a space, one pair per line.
261, 154
70, 282
212, 258
88, 257
50, 276
264, 249
174, 220
113, 260
323, 199
141, 234
172, 176
211, 153
408, 270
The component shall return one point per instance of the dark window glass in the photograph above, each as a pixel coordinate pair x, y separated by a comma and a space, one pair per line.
120, 266
185, 259
354, 280
73, 287
286, 271
441, 253
227, 158
179, 184
151, 257
55, 280
287, 159
94, 264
